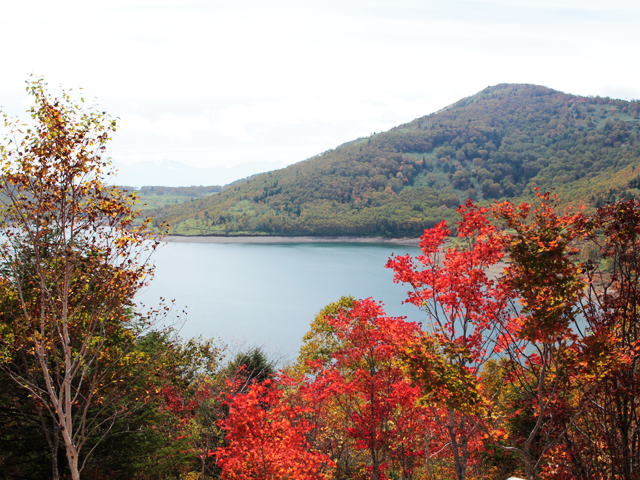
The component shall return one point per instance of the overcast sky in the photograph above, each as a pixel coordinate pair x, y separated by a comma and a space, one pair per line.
221, 82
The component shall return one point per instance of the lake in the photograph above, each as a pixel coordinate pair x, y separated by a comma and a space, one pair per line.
267, 294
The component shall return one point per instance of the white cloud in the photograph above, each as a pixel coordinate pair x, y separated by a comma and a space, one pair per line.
222, 81
173, 126
239, 121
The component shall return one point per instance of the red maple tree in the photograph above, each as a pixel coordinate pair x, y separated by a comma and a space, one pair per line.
467, 316
267, 437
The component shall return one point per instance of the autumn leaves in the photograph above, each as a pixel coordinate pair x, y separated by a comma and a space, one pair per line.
507, 375
532, 372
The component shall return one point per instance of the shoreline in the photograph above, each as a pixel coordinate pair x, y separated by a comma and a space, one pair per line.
493, 271
406, 241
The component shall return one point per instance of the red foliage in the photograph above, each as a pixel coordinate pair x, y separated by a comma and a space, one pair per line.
267, 438
465, 306
367, 383
466, 322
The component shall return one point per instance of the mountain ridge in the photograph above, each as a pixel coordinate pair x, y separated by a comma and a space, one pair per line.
502, 142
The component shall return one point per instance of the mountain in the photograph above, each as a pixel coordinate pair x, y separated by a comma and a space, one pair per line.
169, 173
499, 143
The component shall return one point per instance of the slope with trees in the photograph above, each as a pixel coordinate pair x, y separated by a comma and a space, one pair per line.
500, 143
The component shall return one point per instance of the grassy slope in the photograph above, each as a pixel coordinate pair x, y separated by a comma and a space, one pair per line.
500, 143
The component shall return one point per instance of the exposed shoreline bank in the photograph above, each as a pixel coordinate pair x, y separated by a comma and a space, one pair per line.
493, 271
413, 242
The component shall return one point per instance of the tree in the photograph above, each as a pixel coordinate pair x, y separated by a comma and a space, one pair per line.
266, 437
542, 347
466, 315
604, 442
329, 421
362, 377
321, 341
72, 258
248, 367
182, 424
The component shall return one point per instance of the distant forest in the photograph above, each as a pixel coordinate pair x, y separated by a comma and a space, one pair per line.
500, 143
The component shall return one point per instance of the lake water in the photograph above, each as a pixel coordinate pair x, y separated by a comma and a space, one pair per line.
267, 294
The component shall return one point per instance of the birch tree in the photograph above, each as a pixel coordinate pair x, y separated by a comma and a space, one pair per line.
72, 255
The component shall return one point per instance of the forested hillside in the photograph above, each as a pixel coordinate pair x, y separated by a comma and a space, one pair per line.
500, 143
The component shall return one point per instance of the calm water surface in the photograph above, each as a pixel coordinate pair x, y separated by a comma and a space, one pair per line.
268, 294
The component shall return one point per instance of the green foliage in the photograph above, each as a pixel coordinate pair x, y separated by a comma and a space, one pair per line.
320, 342
131, 446
500, 143
252, 366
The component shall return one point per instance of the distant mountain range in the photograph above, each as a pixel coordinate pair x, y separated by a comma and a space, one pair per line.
169, 173
502, 142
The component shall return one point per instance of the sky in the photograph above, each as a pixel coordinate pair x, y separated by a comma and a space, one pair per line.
221, 83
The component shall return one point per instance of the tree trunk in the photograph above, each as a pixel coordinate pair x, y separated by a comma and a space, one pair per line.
72, 451
375, 461
72, 457
53, 439
375, 470
54, 456
528, 466
459, 447
427, 456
